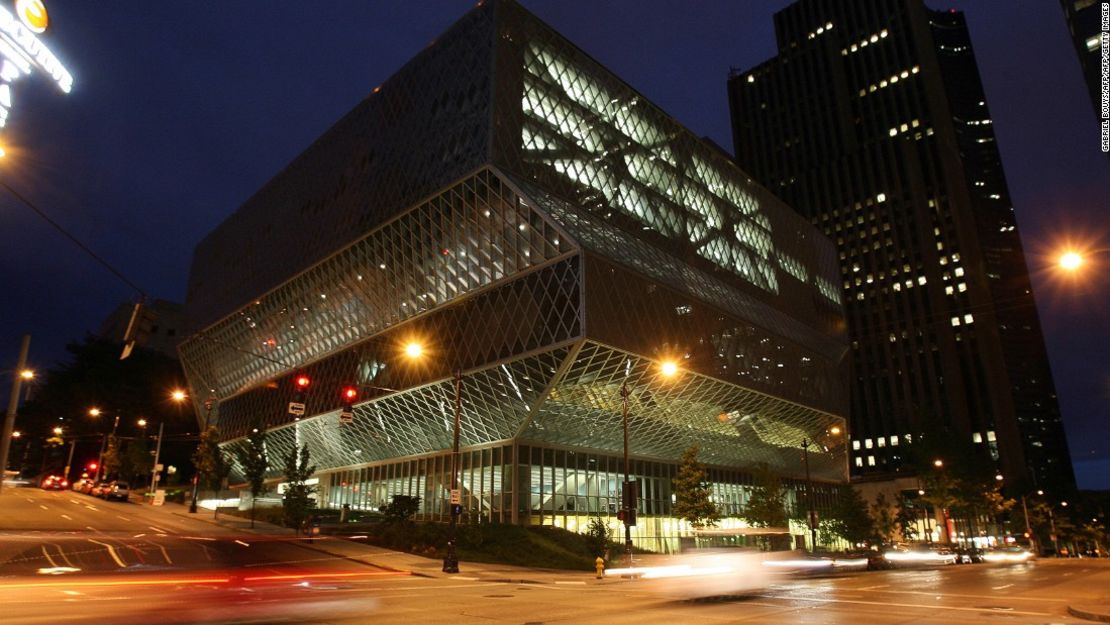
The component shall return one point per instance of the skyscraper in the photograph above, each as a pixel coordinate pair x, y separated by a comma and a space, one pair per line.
872, 122
1084, 18
552, 237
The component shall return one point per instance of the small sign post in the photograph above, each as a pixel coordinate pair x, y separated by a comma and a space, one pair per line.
296, 409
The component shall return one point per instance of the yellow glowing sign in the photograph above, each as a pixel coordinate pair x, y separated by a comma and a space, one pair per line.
33, 15
21, 51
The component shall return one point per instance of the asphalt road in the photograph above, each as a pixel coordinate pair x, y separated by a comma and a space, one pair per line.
184, 570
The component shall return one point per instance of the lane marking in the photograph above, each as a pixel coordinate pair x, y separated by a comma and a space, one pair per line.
1000, 587
577, 583
875, 587
903, 605
120, 516
164, 554
43, 507
243, 543
111, 552
89, 527
469, 579
48, 558
67, 517
138, 535
62, 553
71, 592
92, 507
158, 529
933, 594
135, 582
75, 501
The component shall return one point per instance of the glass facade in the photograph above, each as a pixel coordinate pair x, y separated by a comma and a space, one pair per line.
549, 283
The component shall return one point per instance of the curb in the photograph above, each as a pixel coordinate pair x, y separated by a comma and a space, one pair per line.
310, 547
1088, 615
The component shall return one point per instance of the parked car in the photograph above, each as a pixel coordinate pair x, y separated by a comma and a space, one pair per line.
118, 490
969, 555
54, 482
99, 490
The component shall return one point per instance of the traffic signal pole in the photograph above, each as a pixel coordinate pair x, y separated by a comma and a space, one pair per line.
13, 405
628, 508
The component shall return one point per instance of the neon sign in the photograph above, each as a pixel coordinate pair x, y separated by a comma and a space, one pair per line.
21, 51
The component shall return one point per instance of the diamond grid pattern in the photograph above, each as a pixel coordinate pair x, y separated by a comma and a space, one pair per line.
496, 402
416, 133
588, 136
537, 310
470, 236
734, 426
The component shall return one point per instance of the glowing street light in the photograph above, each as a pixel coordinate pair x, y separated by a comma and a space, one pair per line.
178, 395
1071, 260
938, 463
835, 430
668, 368
142, 423
94, 412
27, 374
57, 431
414, 350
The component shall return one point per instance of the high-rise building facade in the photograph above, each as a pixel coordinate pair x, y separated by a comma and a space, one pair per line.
1085, 25
552, 237
872, 122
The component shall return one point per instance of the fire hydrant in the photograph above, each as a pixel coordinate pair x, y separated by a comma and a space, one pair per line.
599, 564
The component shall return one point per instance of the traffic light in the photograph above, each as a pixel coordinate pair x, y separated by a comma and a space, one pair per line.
300, 384
350, 396
92, 466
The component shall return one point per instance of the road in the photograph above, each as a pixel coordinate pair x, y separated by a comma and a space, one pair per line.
139, 564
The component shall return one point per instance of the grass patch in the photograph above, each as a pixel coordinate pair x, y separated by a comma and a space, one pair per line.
538, 547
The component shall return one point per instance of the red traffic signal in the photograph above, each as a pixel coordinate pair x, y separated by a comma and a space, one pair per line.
350, 394
302, 382
92, 466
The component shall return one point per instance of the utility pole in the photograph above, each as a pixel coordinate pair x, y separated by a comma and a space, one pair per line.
69, 461
155, 472
13, 405
809, 496
196, 474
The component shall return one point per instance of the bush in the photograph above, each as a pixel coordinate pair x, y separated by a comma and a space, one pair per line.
598, 536
403, 508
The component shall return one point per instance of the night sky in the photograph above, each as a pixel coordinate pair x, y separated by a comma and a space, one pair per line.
182, 110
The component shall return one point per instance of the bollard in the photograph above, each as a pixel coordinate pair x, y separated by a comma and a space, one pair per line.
599, 564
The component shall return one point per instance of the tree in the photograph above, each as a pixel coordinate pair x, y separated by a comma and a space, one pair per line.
767, 504
905, 517
136, 463
401, 509
598, 535
691, 490
885, 519
297, 501
112, 460
255, 463
848, 517
209, 460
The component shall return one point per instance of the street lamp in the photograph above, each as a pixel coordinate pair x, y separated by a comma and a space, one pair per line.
414, 350
629, 497
208, 404
96, 412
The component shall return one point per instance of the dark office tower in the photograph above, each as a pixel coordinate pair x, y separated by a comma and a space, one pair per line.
872, 122
1084, 24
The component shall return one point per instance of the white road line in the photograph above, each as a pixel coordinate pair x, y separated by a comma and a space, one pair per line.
471, 579
62, 553
89, 527
1000, 587
91, 507
158, 529
29, 500
46, 553
71, 592
875, 587
243, 543
164, 554
138, 535
111, 552
901, 605
75, 501
579, 583
933, 594
67, 517
120, 516
43, 507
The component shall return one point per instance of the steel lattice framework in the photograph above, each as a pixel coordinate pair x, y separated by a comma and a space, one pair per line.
568, 241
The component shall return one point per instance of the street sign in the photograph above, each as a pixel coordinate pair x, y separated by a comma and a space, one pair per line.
296, 408
159, 497
456, 496
346, 417
158, 467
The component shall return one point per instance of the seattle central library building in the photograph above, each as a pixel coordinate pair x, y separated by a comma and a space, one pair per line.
545, 230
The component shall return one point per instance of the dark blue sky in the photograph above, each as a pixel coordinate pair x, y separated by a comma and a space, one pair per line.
181, 111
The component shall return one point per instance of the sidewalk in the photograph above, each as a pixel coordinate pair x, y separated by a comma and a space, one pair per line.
1091, 612
390, 560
